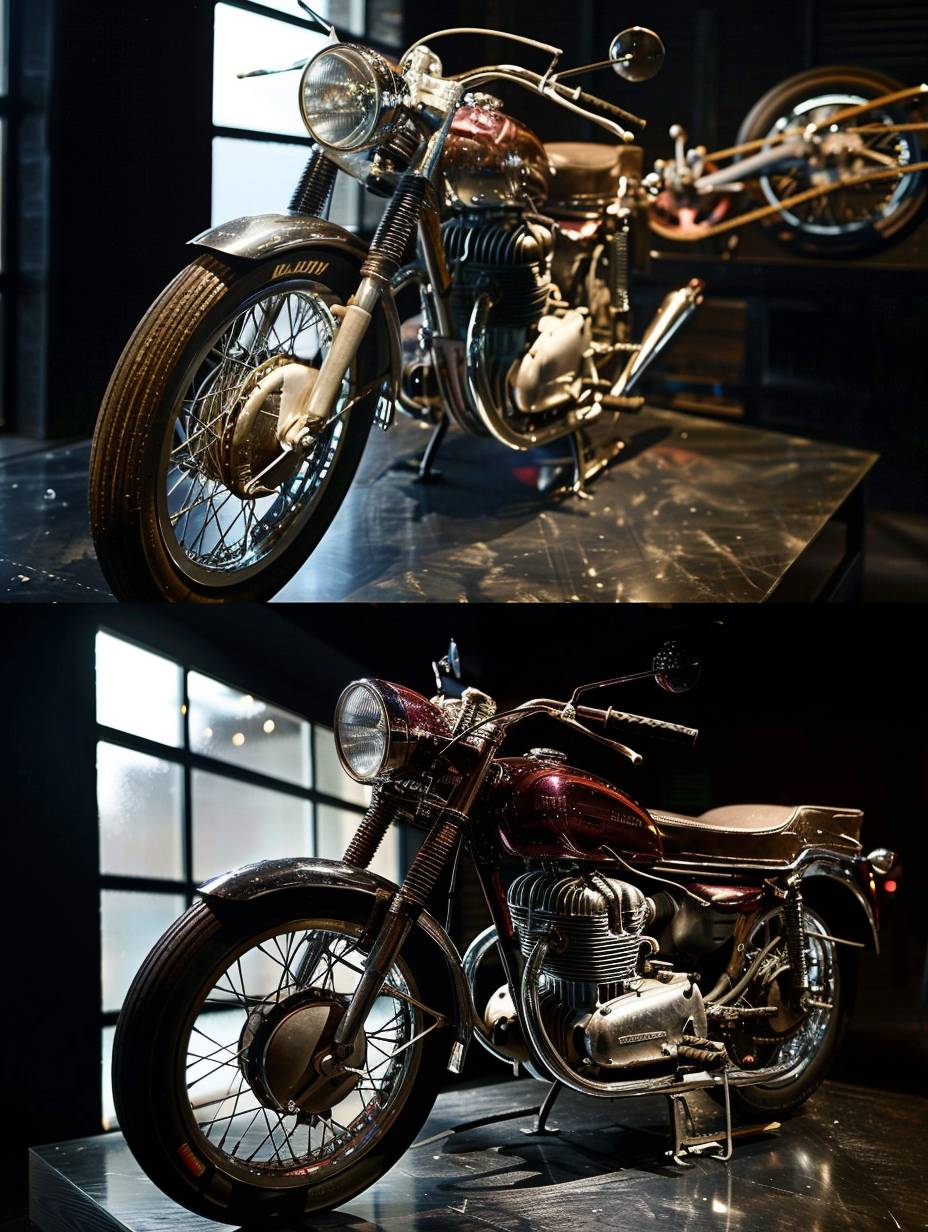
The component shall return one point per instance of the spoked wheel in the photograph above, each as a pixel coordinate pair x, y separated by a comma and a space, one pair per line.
806, 1039
219, 1079
194, 495
858, 215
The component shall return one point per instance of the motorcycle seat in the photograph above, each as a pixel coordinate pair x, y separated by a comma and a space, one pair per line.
761, 833
582, 171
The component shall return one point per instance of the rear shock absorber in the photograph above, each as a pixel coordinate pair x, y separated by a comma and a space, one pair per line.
618, 267
314, 191
794, 928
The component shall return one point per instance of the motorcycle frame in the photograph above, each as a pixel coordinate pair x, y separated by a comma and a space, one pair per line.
397, 910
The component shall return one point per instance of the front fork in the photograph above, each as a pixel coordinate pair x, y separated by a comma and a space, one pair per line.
410, 899
392, 238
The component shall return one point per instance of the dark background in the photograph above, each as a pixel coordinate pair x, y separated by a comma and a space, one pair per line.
816, 706
110, 173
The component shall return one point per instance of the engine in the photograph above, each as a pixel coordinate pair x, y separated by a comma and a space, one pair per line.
597, 1003
535, 356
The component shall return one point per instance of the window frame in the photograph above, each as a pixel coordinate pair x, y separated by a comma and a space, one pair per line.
189, 761
250, 134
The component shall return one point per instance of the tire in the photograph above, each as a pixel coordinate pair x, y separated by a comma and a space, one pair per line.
787, 1097
152, 1105
859, 82
137, 416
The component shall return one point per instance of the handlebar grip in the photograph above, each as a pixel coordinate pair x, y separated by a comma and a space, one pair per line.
653, 727
626, 117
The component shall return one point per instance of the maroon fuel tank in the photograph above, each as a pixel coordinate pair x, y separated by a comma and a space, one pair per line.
491, 160
546, 810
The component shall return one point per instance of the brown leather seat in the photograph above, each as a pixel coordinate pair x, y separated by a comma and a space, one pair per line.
765, 833
583, 171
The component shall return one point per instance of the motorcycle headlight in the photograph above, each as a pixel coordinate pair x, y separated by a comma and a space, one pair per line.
362, 732
349, 96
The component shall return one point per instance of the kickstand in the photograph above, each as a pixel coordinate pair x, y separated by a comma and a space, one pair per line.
426, 473
685, 1139
540, 1129
578, 462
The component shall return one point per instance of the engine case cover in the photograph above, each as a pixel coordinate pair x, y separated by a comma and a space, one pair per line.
644, 1026
548, 375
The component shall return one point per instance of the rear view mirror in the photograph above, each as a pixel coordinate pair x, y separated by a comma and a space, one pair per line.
676, 669
636, 54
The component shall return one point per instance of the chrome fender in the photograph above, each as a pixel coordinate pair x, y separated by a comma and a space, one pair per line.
251, 881
262, 237
831, 887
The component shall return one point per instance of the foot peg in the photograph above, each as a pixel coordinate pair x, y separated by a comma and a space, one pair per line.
611, 403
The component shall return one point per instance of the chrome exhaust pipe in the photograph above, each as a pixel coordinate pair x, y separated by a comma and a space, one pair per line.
675, 310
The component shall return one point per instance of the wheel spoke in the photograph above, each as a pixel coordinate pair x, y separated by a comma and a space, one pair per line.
235, 1122
215, 529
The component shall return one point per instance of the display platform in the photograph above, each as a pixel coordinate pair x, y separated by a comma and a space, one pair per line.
692, 510
855, 1159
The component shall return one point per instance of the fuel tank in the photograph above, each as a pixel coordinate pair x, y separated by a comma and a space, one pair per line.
491, 160
544, 809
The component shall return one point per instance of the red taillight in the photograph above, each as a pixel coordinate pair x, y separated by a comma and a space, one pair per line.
889, 887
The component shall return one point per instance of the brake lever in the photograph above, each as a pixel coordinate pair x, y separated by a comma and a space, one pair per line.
635, 758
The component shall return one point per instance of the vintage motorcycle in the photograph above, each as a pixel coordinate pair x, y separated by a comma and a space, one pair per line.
284, 1042
239, 410
829, 162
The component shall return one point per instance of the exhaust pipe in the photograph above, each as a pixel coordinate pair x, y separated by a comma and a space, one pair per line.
676, 308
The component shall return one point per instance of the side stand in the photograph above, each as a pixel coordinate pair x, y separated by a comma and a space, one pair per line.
539, 1129
426, 473
685, 1139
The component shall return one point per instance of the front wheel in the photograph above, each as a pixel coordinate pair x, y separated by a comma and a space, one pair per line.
192, 497
215, 1073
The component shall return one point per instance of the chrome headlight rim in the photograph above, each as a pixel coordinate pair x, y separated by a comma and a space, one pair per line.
390, 93
393, 712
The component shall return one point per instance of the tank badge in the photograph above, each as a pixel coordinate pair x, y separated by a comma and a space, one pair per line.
288, 269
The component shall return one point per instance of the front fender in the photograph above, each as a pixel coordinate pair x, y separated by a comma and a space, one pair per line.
262, 237
252, 881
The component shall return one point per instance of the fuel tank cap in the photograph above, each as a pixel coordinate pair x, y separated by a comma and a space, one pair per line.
547, 755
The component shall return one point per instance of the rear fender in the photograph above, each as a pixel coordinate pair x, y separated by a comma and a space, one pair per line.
832, 889
263, 237
242, 885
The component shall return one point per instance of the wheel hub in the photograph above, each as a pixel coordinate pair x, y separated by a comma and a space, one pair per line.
283, 1046
244, 451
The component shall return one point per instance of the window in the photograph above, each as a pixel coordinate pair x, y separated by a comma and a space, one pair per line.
195, 776
260, 144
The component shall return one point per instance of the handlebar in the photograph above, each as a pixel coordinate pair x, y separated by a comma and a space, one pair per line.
653, 727
592, 100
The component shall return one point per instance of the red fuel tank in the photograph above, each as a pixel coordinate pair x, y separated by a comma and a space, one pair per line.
546, 810
491, 160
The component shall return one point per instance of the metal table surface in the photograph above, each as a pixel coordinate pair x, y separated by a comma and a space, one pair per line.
692, 510
855, 1159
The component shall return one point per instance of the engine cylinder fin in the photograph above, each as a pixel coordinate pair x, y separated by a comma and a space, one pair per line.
583, 910
510, 254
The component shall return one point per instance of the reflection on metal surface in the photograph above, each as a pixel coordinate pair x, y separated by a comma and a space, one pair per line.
845, 1165
694, 510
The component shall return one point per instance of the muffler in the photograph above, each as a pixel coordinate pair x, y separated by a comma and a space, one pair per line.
676, 308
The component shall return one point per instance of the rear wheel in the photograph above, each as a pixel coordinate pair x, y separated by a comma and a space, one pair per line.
861, 216
807, 1040
192, 496
214, 1064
